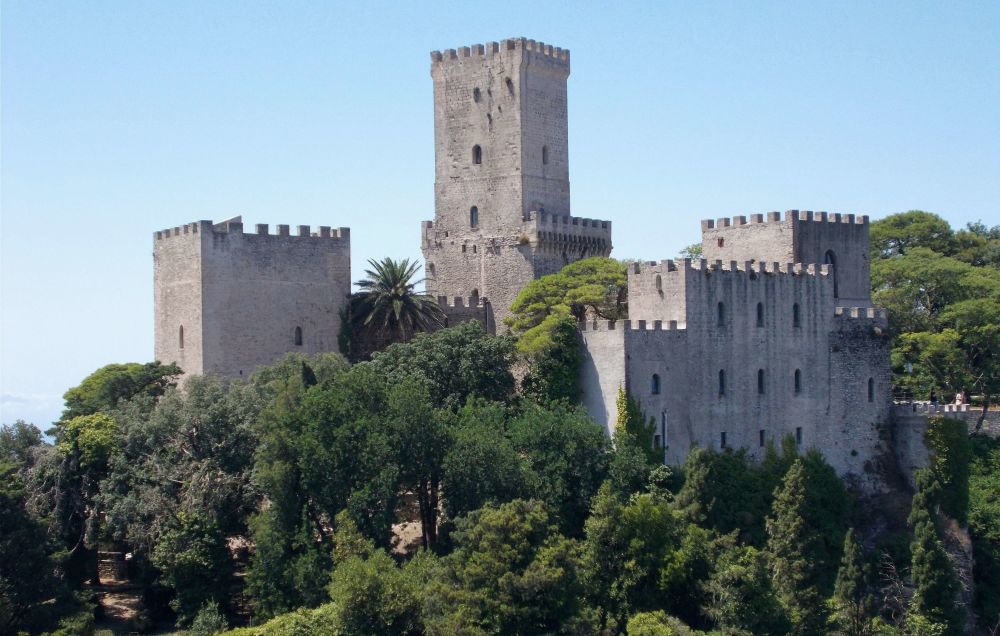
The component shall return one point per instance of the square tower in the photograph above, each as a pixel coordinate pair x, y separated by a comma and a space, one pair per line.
226, 301
501, 188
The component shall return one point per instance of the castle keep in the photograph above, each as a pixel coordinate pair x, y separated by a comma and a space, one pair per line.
772, 333
501, 174
739, 353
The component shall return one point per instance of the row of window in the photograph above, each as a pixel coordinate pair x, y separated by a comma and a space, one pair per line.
761, 438
477, 155
477, 95
296, 337
720, 312
761, 384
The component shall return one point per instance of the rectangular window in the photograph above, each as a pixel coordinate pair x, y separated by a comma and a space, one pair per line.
798, 435
656, 441
722, 440
761, 435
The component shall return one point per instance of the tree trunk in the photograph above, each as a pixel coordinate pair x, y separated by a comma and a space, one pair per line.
422, 499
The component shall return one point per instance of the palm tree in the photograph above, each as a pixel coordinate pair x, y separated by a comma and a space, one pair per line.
387, 306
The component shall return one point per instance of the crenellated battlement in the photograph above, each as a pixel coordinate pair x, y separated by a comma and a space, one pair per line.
790, 215
235, 226
876, 315
561, 231
630, 325
703, 265
495, 48
472, 302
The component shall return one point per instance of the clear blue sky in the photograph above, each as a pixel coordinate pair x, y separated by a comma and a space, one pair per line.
121, 118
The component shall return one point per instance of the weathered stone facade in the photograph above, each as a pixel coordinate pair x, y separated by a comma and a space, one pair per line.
501, 190
226, 301
742, 353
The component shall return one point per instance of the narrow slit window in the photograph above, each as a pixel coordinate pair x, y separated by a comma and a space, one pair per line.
760, 381
831, 259
655, 384
659, 283
474, 216
477, 154
798, 381
722, 382
760, 314
796, 316
871, 390
545, 155
760, 438
298, 336
720, 314
798, 435
722, 440
180, 337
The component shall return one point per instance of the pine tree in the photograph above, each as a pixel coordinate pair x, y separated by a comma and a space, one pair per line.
932, 572
793, 545
852, 604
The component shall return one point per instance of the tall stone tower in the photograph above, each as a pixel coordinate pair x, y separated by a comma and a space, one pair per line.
501, 190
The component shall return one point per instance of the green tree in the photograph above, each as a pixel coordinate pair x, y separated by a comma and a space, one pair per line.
933, 575
105, 388
567, 455
897, 234
741, 597
852, 605
387, 304
511, 573
458, 363
210, 620
984, 527
656, 623
799, 559
554, 373
951, 450
194, 562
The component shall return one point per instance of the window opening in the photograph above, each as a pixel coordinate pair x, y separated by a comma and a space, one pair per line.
798, 435
760, 314
831, 259
180, 337
655, 384
545, 155
476, 95
798, 381
760, 381
760, 436
721, 315
298, 336
474, 216
659, 283
477, 154
722, 440
871, 390
796, 316
722, 382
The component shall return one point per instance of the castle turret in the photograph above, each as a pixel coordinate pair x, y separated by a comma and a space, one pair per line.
502, 205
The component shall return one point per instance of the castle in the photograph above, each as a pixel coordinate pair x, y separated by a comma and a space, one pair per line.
772, 333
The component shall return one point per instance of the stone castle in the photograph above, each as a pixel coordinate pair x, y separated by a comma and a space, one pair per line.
772, 333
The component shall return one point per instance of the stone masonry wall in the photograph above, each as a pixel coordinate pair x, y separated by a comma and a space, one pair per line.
177, 295
256, 289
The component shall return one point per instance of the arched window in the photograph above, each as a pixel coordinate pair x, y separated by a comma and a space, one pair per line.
180, 337
796, 316
474, 216
510, 85
475, 297
721, 315
655, 384
476, 95
798, 381
760, 314
659, 283
545, 155
477, 154
298, 336
871, 390
722, 381
760, 381
831, 259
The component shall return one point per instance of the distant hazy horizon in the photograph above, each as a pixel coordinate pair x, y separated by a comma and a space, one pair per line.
119, 119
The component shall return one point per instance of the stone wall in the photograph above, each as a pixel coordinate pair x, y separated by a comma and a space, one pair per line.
259, 295
779, 358
802, 237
